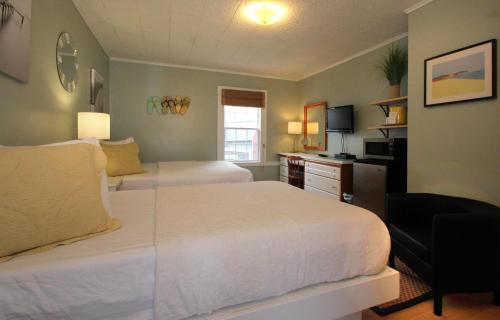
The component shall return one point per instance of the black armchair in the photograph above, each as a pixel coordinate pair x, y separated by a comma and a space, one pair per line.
452, 243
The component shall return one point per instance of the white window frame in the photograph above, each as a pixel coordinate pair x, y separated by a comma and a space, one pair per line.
220, 127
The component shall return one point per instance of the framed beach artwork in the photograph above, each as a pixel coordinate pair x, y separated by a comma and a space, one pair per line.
462, 75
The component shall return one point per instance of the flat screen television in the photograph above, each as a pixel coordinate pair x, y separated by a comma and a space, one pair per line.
340, 119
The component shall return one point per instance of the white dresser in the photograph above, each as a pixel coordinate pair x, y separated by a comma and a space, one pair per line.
325, 176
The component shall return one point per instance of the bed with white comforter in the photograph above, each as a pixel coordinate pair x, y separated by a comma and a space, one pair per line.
174, 173
190, 250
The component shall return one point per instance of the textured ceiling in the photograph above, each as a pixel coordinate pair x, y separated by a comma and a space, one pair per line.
216, 34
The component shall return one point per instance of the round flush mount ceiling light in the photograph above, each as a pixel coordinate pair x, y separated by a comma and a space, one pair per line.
265, 13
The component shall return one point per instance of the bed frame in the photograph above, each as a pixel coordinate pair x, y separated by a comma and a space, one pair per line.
342, 300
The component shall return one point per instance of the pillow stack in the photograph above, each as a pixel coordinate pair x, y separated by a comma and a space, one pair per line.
51, 195
122, 156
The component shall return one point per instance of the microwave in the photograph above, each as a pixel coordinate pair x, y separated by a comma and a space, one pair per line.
385, 148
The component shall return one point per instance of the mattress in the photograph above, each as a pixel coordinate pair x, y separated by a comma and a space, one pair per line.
107, 277
220, 245
174, 173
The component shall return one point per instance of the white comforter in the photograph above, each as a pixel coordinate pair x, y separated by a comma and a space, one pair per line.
175, 173
221, 245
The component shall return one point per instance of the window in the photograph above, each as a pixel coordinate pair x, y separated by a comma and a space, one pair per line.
241, 127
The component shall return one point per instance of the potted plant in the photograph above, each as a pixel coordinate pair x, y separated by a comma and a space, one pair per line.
395, 66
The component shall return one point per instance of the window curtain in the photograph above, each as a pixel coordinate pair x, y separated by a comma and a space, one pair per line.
243, 98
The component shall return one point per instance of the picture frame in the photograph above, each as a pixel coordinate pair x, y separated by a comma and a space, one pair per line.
96, 91
465, 74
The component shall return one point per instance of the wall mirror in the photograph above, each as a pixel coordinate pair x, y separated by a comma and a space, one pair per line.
315, 137
67, 62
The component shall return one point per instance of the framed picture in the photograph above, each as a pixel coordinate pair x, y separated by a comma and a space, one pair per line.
15, 38
96, 91
462, 75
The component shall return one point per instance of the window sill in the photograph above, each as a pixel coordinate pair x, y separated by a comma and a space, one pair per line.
256, 163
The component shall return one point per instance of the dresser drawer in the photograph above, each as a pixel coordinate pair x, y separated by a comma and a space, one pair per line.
321, 192
322, 183
284, 179
323, 170
283, 171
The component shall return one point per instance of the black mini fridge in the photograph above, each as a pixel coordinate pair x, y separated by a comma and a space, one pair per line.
372, 179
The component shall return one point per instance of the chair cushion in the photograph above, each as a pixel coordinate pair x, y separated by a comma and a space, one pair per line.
417, 239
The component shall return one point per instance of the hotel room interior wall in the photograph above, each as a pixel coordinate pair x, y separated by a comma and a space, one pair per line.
453, 149
192, 136
355, 82
41, 111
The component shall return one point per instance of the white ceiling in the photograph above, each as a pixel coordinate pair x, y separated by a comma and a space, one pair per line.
215, 34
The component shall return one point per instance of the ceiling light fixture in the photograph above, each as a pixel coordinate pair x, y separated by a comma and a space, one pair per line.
264, 13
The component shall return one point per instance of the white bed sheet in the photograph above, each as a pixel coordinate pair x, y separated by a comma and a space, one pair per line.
106, 277
221, 245
141, 181
175, 173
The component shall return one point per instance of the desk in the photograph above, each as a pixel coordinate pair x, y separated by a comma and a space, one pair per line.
325, 176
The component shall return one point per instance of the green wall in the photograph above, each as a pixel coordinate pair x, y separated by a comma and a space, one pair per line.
453, 149
192, 136
355, 82
41, 111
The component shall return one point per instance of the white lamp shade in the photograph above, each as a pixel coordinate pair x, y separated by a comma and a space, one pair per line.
312, 128
93, 125
294, 127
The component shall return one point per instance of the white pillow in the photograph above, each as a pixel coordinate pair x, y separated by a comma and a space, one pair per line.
124, 141
106, 202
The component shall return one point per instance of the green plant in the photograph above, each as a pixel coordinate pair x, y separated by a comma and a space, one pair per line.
395, 65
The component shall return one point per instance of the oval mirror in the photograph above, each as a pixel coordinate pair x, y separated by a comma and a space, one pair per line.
67, 62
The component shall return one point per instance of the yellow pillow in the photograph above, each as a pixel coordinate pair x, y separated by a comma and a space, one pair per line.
50, 196
122, 159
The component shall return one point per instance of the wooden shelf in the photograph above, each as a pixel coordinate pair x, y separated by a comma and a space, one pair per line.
385, 129
390, 102
395, 126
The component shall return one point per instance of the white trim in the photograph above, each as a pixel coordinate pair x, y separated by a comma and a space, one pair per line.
359, 54
172, 65
258, 164
417, 6
263, 127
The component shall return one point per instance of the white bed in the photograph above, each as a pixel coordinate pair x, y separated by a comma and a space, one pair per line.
173, 173
245, 251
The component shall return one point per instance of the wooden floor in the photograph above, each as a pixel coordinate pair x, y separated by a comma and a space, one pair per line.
455, 307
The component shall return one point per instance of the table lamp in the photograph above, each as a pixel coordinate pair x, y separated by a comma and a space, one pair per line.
295, 128
93, 125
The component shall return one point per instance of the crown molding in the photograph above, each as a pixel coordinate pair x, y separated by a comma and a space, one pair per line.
417, 6
180, 66
357, 55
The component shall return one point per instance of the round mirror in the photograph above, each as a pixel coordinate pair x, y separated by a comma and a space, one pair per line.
67, 62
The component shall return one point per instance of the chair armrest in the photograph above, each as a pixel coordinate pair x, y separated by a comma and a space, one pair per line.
465, 248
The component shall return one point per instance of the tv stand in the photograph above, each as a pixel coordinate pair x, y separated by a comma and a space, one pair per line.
345, 156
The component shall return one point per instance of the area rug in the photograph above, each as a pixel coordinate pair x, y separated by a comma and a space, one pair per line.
412, 291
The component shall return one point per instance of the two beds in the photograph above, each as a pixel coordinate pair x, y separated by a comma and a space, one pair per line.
261, 250
174, 173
